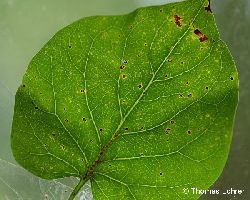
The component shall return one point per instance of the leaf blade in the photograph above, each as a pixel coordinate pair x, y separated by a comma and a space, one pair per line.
131, 80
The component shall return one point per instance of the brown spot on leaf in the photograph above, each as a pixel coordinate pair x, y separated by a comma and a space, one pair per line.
140, 86
122, 67
177, 20
189, 132
201, 36
167, 130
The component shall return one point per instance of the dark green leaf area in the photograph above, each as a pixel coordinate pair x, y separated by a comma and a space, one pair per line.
142, 105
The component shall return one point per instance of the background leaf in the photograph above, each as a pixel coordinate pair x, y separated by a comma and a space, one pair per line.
184, 105
16, 183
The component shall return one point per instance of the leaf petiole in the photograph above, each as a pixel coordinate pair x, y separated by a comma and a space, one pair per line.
78, 187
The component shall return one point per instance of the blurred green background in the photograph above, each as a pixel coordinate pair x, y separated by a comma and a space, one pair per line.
25, 26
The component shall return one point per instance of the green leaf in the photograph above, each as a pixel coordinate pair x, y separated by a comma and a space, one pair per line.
142, 105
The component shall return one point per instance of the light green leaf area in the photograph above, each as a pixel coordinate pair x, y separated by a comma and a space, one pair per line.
142, 105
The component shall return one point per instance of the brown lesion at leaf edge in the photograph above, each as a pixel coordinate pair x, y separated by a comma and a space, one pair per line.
208, 7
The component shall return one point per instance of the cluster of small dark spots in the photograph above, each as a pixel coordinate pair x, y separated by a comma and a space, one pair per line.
182, 62
161, 10
90, 140
63, 147
36, 107
167, 130
201, 48
180, 95
84, 119
206, 87
64, 108
143, 93
160, 173
119, 35
122, 67
126, 129
40, 93
45, 144
23, 85
109, 165
82, 90
166, 76
231, 78
169, 60
70, 46
53, 134
138, 55
187, 83
189, 132
141, 154
172, 121
131, 26
65, 190
101, 129
125, 62
190, 95
66, 120
145, 44
140, 86
142, 128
